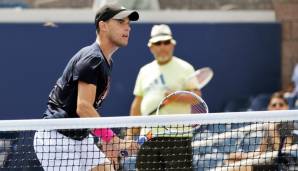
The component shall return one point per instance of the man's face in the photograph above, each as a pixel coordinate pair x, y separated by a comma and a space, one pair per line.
118, 31
162, 51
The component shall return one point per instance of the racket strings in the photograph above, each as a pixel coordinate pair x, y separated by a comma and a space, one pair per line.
199, 107
203, 76
200, 78
194, 103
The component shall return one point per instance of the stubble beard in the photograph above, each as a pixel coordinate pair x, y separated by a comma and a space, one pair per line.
118, 42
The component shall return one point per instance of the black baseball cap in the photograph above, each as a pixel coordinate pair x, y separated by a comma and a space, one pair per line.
114, 11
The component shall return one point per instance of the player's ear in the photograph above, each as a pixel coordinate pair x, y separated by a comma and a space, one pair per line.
102, 26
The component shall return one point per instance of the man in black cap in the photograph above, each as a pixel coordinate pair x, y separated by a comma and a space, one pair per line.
79, 92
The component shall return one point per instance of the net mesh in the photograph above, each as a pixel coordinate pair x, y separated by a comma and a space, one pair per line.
219, 141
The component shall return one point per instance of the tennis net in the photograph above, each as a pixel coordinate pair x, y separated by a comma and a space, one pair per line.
216, 141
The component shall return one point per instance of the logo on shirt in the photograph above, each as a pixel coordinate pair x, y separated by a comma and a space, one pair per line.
158, 82
104, 93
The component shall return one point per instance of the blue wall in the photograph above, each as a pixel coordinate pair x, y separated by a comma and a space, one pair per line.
245, 58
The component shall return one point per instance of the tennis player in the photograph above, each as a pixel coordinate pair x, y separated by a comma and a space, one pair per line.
79, 92
155, 80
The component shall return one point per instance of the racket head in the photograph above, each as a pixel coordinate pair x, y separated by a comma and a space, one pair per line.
195, 104
200, 78
188, 99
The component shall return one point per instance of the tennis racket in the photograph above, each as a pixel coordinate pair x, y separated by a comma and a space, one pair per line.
187, 99
196, 103
199, 79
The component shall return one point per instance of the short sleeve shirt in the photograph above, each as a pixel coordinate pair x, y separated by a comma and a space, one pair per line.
153, 80
88, 65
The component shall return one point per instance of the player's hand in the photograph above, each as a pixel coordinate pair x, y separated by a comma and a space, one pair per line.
130, 146
113, 149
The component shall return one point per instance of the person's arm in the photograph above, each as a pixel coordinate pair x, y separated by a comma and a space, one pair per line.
243, 155
263, 146
112, 144
86, 97
85, 108
135, 110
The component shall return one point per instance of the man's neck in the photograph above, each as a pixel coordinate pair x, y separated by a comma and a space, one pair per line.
106, 47
164, 62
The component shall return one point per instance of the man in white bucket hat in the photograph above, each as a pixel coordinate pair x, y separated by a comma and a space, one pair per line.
156, 80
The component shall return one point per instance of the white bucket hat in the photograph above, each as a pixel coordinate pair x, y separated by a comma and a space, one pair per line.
161, 32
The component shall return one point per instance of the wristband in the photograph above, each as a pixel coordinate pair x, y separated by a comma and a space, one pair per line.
105, 134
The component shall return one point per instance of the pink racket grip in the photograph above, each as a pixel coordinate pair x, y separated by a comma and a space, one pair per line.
105, 134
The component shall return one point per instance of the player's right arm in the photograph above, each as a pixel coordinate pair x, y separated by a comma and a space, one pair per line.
111, 144
86, 97
85, 72
135, 110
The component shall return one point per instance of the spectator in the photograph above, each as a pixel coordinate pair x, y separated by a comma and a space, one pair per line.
277, 102
292, 94
156, 80
274, 137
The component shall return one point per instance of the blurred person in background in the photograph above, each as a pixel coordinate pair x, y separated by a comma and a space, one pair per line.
292, 93
275, 136
156, 80
277, 102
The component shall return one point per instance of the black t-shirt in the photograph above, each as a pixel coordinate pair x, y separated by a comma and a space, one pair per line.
88, 65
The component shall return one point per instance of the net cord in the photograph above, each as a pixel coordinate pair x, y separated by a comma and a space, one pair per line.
148, 121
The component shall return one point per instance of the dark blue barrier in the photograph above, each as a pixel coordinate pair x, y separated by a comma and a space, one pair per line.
245, 58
